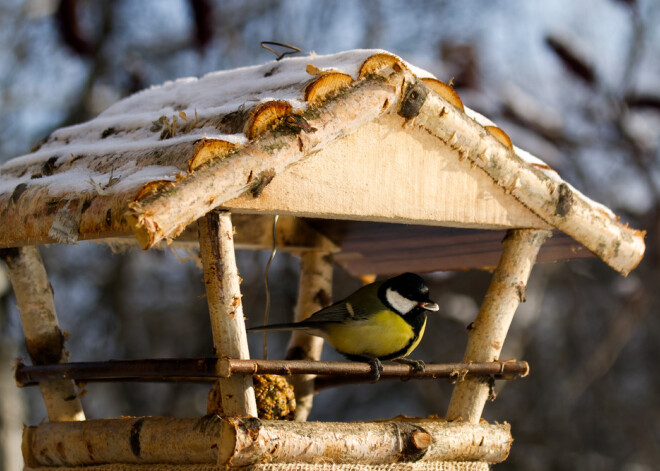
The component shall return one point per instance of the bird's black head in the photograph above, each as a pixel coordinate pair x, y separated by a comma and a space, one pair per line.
406, 292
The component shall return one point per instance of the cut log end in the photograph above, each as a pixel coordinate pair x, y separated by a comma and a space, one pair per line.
326, 85
147, 232
151, 188
266, 116
208, 150
145, 237
375, 64
445, 91
500, 135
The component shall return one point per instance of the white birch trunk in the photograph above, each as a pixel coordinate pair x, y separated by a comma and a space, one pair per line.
223, 293
43, 337
488, 332
246, 442
314, 293
551, 199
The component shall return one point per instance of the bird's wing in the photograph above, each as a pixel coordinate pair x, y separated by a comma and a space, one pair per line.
336, 313
357, 306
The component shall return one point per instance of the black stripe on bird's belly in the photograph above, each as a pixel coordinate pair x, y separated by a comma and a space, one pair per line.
417, 320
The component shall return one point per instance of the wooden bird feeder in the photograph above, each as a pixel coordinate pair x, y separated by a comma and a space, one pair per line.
357, 152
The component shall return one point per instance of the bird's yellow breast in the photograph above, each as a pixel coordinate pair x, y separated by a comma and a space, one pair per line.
382, 334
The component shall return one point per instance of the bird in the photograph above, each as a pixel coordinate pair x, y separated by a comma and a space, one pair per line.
381, 321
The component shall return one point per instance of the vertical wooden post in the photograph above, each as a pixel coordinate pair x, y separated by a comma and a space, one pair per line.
43, 337
488, 331
314, 293
216, 248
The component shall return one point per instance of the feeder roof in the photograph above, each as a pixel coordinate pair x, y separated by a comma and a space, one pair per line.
355, 136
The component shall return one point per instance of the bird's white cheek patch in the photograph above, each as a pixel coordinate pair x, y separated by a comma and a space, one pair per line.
398, 302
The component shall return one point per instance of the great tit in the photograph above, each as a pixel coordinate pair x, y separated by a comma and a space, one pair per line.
384, 320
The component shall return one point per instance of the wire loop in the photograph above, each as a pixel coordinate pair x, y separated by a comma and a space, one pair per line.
280, 55
270, 260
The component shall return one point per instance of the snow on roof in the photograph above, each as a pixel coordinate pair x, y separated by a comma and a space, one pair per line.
165, 132
122, 126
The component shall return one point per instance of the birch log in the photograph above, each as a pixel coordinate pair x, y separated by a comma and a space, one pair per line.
241, 442
488, 332
248, 442
226, 309
166, 213
126, 440
314, 293
43, 337
551, 199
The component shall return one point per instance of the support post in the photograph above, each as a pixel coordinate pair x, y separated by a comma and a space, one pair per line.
216, 248
487, 333
314, 293
43, 337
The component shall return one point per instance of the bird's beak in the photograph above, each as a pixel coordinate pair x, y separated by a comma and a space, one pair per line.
429, 306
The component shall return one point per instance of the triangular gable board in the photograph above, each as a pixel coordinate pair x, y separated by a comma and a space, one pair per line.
387, 171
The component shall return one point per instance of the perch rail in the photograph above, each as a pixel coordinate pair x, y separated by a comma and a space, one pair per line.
209, 369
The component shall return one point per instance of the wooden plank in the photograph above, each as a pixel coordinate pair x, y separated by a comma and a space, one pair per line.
386, 249
385, 171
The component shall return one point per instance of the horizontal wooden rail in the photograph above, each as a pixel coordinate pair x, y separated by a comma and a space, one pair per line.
206, 370
132, 443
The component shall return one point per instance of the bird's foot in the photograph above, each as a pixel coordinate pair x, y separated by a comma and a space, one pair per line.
418, 366
376, 369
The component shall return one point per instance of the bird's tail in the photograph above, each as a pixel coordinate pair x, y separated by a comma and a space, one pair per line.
276, 327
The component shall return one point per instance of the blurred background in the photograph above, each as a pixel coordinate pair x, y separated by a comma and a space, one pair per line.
576, 83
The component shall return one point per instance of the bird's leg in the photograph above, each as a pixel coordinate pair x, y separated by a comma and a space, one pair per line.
417, 366
376, 368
